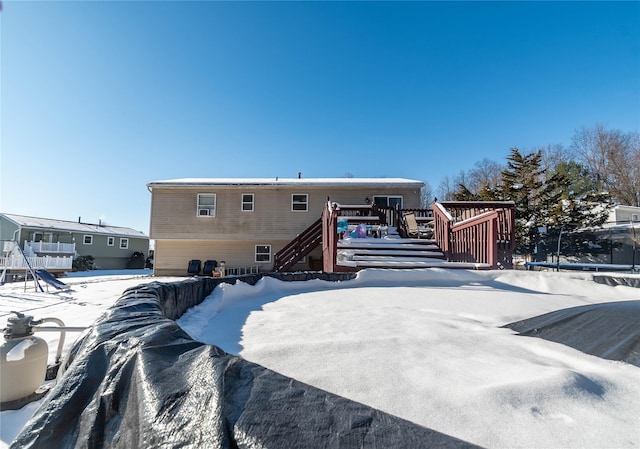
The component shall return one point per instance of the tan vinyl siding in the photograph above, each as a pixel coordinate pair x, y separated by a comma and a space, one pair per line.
181, 235
174, 211
171, 257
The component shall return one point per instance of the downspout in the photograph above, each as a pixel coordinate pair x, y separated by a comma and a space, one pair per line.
15, 237
635, 247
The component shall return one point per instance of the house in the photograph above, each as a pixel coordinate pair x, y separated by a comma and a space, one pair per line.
621, 233
245, 222
623, 215
53, 244
614, 245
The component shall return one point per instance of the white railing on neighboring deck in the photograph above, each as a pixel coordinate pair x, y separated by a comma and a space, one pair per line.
48, 247
46, 262
242, 270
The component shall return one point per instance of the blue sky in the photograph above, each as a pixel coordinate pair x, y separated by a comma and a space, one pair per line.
100, 98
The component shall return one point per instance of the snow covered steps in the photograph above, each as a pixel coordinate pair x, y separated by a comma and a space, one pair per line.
395, 253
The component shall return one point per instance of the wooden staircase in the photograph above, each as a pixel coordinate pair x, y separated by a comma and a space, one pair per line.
298, 248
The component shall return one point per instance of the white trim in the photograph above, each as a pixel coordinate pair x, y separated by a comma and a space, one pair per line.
305, 203
255, 256
374, 183
84, 239
243, 202
206, 210
111, 240
124, 240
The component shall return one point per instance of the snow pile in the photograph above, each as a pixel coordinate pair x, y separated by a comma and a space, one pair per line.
425, 345
428, 346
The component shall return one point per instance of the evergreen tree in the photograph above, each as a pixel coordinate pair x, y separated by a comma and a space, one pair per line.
563, 198
521, 183
464, 194
571, 202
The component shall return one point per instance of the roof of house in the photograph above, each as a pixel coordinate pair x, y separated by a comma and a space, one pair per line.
73, 226
306, 182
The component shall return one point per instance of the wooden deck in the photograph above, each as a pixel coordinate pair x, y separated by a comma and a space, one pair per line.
469, 235
396, 253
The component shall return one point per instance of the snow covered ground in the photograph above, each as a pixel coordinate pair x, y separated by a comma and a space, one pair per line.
425, 345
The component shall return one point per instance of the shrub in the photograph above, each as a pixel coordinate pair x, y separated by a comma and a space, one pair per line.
136, 260
82, 263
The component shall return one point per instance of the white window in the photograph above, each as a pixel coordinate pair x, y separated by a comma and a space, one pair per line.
111, 241
247, 202
124, 243
206, 204
87, 240
299, 202
263, 253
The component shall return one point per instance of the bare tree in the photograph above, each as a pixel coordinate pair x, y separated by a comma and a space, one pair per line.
446, 189
485, 173
426, 195
614, 158
555, 154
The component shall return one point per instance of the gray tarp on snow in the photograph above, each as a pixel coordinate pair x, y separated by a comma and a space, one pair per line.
628, 281
137, 380
609, 330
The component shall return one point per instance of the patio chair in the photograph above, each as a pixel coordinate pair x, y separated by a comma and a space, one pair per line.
194, 267
208, 267
412, 228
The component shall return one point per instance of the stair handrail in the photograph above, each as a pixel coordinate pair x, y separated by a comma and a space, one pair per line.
299, 247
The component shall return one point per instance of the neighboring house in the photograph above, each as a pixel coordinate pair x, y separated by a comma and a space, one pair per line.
620, 215
57, 242
622, 230
244, 222
617, 242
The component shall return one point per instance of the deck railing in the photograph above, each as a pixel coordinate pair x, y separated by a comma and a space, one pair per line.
475, 239
442, 229
477, 232
330, 238
298, 248
480, 232
56, 263
51, 247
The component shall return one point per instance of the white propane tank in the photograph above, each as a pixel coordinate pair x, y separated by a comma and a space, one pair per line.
23, 360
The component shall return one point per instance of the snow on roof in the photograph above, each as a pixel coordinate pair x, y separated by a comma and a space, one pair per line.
319, 182
73, 226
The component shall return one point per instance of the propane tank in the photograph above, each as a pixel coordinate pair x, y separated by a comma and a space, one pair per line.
23, 359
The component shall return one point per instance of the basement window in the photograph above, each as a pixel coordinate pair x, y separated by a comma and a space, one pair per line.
263, 253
